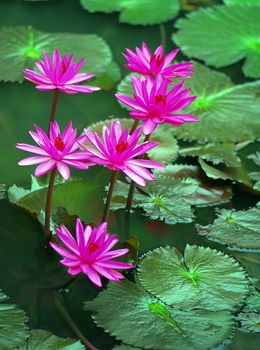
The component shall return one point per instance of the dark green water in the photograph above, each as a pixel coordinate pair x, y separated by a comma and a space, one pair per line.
30, 274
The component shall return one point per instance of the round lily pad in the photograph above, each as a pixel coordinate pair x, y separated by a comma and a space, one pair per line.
202, 277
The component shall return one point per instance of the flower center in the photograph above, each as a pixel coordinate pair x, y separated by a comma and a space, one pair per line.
161, 98
93, 247
59, 144
157, 59
63, 67
121, 146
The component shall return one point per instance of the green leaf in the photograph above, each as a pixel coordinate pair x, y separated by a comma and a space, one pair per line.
2, 191
239, 174
206, 193
127, 306
126, 347
165, 199
216, 153
237, 36
166, 151
73, 195
125, 87
202, 278
221, 107
135, 11
20, 47
13, 329
236, 229
43, 340
250, 321
242, 2
109, 78
253, 302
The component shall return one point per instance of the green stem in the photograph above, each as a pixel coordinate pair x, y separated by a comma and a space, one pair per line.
73, 326
131, 191
163, 36
134, 126
48, 207
109, 195
54, 106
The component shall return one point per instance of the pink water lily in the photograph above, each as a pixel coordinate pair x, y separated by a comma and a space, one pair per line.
91, 252
118, 150
146, 63
154, 103
56, 150
60, 73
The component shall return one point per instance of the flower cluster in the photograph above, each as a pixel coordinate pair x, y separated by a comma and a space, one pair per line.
156, 99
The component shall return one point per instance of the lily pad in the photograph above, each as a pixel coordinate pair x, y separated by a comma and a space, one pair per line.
221, 107
215, 153
135, 11
13, 329
127, 306
242, 2
73, 195
236, 229
21, 46
250, 321
43, 340
237, 36
202, 278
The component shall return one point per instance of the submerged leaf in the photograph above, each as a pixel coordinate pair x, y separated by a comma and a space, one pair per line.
44, 340
20, 47
237, 229
237, 36
202, 278
127, 306
136, 11
227, 112
13, 329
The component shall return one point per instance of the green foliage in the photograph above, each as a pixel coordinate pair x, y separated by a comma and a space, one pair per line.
250, 321
127, 306
202, 278
20, 47
222, 108
255, 175
73, 195
215, 153
237, 36
43, 340
242, 2
134, 11
236, 229
13, 329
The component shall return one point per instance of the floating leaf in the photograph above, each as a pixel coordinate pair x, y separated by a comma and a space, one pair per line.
109, 78
216, 153
20, 47
253, 302
135, 11
203, 278
166, 151
165, 199
206, 193
126, 347
237, 36
44, 340
127, 306
227, 112
242, 2
237, 229
13, 330
250, 321
73, 195
239, 174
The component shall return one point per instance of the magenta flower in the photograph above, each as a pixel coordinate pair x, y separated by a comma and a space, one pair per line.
91, 252
154, 104
60, 73
56, 151
120, 151
146, 63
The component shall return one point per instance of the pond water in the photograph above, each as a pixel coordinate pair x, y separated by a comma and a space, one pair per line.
30, 274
